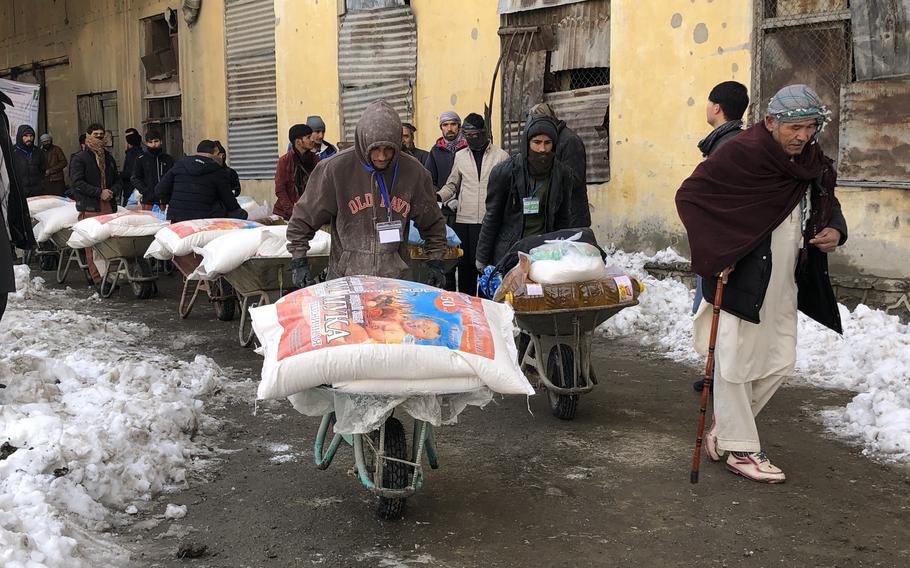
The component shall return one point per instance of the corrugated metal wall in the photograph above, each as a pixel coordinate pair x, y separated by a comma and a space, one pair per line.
584, 111
377, 59
251, 87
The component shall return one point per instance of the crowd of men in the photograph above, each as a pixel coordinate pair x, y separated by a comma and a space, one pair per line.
760, 212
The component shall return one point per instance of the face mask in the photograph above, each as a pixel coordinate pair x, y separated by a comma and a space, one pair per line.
540, 164
477, 140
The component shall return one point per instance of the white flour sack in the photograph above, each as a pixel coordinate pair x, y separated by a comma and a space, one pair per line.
566, 261
40, 203
55, 219
181, 238
255, 211
275, 243
124, 223
225, 253
369, 329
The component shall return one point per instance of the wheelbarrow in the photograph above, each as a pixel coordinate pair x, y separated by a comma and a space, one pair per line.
219, 291
260, 281
66, 258
419, 257
125, 261
555, 345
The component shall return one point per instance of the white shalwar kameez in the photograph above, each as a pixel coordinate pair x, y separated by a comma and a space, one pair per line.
751, 360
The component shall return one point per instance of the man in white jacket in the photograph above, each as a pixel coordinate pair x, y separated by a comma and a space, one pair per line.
465, 192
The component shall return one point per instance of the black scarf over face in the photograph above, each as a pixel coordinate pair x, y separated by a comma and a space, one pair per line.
540, 164
303, 166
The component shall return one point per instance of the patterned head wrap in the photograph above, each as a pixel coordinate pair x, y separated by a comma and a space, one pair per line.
795, 103
449, 115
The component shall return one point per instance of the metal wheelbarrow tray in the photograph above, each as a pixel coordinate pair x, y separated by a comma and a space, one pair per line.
125, 261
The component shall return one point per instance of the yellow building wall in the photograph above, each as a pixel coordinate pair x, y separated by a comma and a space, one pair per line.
457, 50
665, 57
103, 41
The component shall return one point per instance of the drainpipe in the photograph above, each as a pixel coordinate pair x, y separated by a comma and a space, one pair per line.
191, 11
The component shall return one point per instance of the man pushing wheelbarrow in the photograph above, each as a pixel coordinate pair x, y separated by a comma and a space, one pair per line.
761, 210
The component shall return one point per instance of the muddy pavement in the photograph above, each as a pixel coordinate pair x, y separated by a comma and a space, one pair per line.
519, 488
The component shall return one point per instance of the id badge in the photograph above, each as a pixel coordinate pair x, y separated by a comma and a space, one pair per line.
531, 206
389, 232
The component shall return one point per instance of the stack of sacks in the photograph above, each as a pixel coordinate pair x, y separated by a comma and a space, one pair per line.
54, 219
181, 238
371, 335
565, 274
120, 224
225, 253
40, 203
254, 211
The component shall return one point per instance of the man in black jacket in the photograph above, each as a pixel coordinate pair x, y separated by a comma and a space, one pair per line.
528, 194
570, 150
15, 225
96, 183
199, 187
29, 161
150, 168
133, 151
763, 206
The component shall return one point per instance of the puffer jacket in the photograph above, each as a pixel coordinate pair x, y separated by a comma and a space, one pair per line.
198, 187
148, 171
510, 183
86, 178
344, 192
469, 188
29, 163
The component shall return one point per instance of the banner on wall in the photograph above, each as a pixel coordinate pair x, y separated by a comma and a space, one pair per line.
25, 104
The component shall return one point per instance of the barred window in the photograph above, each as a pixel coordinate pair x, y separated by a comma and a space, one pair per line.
856, 55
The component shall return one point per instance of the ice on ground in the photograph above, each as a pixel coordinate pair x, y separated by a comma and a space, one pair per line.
26, 286
872, 358
175, 511
97, 428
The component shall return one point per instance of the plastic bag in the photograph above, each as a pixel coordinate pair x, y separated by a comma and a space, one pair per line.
564, 261
414, 237
379, 329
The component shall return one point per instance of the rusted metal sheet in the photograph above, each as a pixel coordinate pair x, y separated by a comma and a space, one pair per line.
251, 79
377, 59
377, 46
881, 38
875, 131
585, 111
583, 38
785, 8
512, 6
816, 56
360, 5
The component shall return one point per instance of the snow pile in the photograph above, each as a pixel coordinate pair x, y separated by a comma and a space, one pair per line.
25, 285
95, 429
872, 358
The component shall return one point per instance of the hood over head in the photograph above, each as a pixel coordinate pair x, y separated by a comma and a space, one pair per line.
22, 131
539, 165
380, 125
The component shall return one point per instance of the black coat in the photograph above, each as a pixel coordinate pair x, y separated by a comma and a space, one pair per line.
744, 292
126, 174
719, 136
86, 178
29, 163
14, 218
503, 224
570, 150
440, 161
197, 187
148, 171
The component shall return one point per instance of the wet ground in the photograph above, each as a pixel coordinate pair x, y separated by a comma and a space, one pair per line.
516, 486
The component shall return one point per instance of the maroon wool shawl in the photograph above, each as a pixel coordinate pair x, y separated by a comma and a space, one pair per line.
735, 198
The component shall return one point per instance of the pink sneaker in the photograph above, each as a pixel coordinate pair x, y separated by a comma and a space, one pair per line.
711, 443
756, 467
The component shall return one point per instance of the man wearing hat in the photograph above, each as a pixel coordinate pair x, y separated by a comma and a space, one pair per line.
54, 183
133, 151
150, 167
442, 154
465, 192
294, 169
528, 194
321, 147
764, 206
407, 143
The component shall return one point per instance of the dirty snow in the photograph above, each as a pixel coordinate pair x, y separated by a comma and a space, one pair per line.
97, 430
872, 358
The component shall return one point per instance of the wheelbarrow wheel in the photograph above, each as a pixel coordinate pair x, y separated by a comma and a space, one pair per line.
561, 372
48, 261
394, 474
142, 289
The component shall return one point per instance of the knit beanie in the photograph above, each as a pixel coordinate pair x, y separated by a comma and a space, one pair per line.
542, 125
474, 121
133, 139
316, 123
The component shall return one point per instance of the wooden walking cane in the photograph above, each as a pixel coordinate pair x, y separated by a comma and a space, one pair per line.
709, 374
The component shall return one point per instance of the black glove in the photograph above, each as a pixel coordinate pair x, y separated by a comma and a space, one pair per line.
436, 276
300, 273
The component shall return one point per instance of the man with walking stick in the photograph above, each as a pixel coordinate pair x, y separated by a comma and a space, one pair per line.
768, 196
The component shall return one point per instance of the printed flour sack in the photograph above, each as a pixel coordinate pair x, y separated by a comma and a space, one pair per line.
381, 329
40, 203
55, 219
181, 238
125, 223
